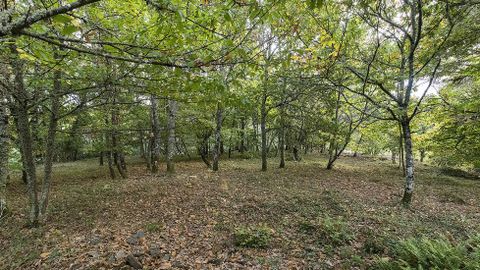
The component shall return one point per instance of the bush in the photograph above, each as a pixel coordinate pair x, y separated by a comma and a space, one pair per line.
254, 237
439, 253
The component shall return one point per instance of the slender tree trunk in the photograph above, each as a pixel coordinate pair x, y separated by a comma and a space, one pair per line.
401, 156
203, 149
50, 143
171, 114
109, 151
185, 148
156, 134
243, 135
4, 149
263, 130
255, 131
100, 162
333, 145
422, 155
141, 143
281, 145
218, 137
25, 136
116, 148
148, 154
409, 162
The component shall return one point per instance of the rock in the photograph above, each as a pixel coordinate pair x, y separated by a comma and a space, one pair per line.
215, 261
138, 252
112, 258
75, 266
133, 262
154, 251
132, 241
178, 264
95, 240
165, 265
120, 255
94, 254
166, 257
135, 238
139, 234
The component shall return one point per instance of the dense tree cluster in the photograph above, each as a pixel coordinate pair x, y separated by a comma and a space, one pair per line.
268, 78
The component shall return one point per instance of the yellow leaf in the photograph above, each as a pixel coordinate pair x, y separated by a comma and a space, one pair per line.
44, 255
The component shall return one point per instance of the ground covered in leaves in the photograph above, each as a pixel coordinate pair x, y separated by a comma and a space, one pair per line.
301, 217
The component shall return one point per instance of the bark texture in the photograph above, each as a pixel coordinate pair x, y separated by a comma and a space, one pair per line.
155, 148
171, 114
409, 167
218, 137
50, 142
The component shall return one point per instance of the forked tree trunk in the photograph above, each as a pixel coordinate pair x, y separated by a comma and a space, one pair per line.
409, 164
218, 137
171, 114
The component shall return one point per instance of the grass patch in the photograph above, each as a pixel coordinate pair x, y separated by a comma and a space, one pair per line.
328, 230
253, 237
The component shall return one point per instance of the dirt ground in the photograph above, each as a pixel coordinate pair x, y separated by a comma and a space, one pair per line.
300, 217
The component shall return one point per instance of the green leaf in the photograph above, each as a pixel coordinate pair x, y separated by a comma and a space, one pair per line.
62, 18
69, 29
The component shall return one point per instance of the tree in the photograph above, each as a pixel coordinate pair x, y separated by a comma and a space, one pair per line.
409, 40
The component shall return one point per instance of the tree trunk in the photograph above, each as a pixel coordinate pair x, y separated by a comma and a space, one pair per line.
50, 142
401, 155
409, 164
218, 137
185, 148
263, 130
4, 149
281, 145
203, 149
118, 158
422, 155
25, 136
243, 135
100, 158
155, 154
171, 114
109, 151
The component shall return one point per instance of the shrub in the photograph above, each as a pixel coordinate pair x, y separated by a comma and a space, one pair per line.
253, 237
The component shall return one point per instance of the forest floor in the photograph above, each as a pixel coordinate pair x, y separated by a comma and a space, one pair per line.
300, 217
